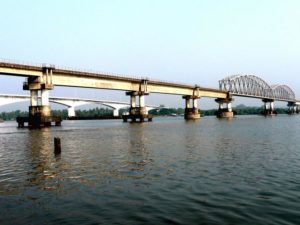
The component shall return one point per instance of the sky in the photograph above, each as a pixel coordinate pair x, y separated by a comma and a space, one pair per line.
186, 41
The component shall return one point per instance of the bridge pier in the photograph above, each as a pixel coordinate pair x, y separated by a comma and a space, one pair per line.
292, 108
34, 97
39, 112
191, 111
269, 109
137, 113
225, 108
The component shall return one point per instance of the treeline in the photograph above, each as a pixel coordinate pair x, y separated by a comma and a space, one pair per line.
212, 112
256, 110
102, 112
12, 115
96, 112
178, 111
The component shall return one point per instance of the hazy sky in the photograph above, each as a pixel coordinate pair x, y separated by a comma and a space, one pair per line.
196, 42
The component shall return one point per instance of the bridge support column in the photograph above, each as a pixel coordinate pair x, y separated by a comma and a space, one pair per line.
293, 108
45, 97
225, 108
137, 113
34, 98
269, 109
191, 112
116, 112
71, 112
39, 112
45, 109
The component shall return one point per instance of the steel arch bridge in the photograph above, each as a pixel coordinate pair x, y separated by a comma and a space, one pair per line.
255, 87
283, 92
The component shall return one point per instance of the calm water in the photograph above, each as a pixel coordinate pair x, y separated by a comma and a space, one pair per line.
241, 171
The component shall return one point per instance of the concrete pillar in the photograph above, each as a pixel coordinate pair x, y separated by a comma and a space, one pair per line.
51, 74
229, 106
187, 103
115, 112
132, 101
71, 111
195, 103
142, 101
265, 106
33, 98
45, 109
272, 106
225, 108
191, 113
45, 97
293, 108
40, 111
221, 105
269, 109
142, 109
137, 113
48, 81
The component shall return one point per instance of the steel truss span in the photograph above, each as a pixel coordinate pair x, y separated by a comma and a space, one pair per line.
283, 92
253, 86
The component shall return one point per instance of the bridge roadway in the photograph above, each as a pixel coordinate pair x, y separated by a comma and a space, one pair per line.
79, 78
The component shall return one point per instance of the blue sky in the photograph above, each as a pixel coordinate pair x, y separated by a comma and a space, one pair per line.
196, 42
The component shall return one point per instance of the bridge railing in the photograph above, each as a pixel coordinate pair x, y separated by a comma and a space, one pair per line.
20, 62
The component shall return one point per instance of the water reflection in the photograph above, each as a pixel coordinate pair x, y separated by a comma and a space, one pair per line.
217, 172
137, 158
44, 167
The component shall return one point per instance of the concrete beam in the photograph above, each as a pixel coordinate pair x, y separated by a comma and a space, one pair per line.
62, 77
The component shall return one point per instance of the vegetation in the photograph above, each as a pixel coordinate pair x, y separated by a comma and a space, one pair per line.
94, 112
12, 115
62, 113
239, 110
98, 112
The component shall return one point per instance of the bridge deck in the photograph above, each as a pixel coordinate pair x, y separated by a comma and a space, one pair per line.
86, 79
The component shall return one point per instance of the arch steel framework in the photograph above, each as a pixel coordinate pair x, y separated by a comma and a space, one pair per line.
253, 86
283, 92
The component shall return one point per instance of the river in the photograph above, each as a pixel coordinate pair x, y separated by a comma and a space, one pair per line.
240, 171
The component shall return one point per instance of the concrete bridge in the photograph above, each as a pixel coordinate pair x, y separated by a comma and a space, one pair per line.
44, 77
71, 103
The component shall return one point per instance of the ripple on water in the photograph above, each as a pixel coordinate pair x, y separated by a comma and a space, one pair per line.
243, 171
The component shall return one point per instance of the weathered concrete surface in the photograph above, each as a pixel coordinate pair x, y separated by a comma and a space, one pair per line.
225, 114
225, 108
269, 109
137, 114
191, 114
